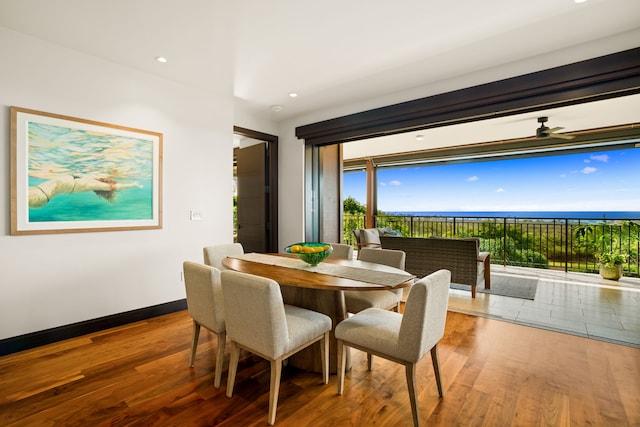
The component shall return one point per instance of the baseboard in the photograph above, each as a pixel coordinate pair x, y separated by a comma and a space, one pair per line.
48, 336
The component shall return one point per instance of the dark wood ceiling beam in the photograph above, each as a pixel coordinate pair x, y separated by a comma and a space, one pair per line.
599, 78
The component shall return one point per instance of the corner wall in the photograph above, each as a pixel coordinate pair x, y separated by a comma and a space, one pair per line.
52, 280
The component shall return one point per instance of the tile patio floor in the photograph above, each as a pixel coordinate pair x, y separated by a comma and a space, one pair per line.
574, 303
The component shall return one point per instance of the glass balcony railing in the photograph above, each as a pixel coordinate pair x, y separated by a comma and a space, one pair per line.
553, 243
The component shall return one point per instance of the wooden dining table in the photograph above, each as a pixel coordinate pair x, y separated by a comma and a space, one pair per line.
320, 288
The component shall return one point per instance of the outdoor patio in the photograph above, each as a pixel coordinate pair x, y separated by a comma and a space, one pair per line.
575, 303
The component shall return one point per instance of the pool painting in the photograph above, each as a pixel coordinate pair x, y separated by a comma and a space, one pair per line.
75, 175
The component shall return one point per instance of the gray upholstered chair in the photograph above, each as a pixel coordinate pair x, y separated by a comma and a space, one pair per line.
213, 255
401, 338
342, 251
357, 301
258, 321
206, 308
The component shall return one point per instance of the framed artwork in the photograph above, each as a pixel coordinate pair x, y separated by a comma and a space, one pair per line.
72, 175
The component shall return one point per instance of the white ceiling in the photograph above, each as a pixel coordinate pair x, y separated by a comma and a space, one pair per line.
331, 52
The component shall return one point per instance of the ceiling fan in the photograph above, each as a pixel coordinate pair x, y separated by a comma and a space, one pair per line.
545, 132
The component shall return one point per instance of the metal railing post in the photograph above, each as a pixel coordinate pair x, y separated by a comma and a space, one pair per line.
566, 245
504, 242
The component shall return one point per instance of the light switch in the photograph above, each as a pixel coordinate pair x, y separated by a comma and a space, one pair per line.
195, 215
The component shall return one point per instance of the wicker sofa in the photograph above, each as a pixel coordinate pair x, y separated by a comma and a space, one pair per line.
462, 257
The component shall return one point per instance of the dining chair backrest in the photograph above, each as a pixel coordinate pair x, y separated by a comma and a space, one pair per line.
204, 295
391, 257
342, 251
255, 313
424, 315
401, 338
260, 322
213, 255
356, 301
206, 307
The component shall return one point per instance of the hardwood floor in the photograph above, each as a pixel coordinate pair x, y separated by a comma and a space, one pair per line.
494, 373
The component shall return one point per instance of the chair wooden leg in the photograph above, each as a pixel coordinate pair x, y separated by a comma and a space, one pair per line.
194, 342
410, 369
276, 372
369, 361
473, 291
222, 337
233, 367
324, 357
436, 368
342, 360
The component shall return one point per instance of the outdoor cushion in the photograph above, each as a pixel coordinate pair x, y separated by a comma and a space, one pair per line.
370, 236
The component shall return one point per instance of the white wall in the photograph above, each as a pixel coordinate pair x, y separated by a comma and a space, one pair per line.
51, 280
290, 185
251, 118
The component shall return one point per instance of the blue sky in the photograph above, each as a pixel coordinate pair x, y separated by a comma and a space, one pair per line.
598, 181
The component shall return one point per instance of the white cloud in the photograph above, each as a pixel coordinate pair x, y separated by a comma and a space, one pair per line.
600, 158
588, 170
395, 182
472, 178
587, 160
563, 175
500, 190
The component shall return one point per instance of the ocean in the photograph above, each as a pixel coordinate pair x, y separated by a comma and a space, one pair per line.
586, 215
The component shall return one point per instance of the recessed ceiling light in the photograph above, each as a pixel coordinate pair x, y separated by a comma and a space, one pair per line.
276, 108
419, 137
161, 59
580, 1
293, 94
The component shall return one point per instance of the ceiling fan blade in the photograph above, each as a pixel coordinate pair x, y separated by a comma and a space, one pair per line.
545, 132
561, 136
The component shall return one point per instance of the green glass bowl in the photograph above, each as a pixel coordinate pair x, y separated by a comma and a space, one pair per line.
313, 258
